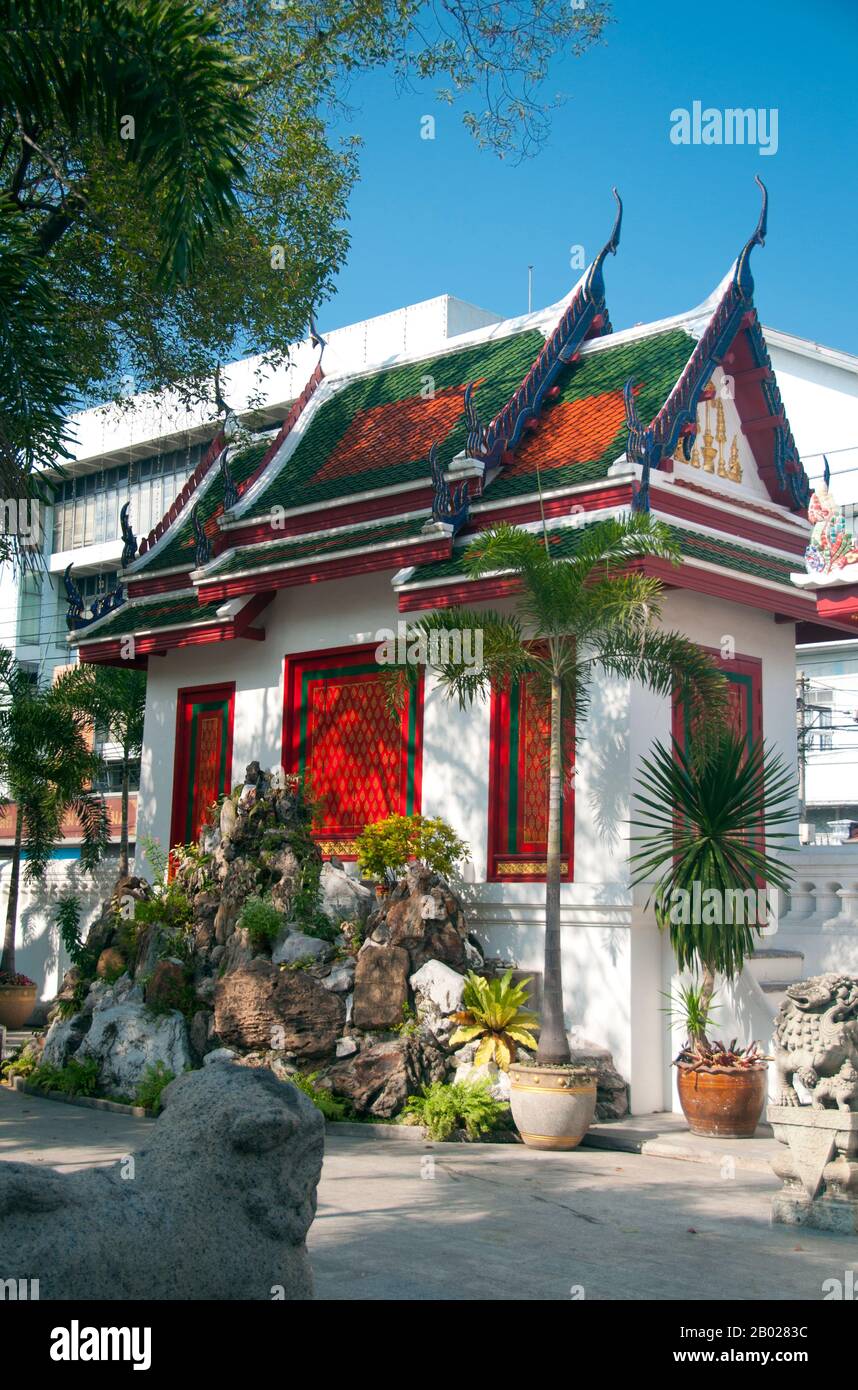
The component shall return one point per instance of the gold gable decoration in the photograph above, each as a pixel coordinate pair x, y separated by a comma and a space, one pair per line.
715, 451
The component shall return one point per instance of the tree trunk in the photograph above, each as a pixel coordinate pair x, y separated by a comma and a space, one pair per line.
123, 836
707, 989
553, 1043
7, 959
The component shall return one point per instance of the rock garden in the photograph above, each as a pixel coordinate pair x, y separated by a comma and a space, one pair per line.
370, 995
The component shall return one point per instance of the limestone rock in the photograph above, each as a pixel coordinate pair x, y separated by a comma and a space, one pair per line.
104, 996
167, 987
110, 963
228, 817
379, 1079
126, 1039
298, 946
381, 987
342, 978
439, 984
64, 1037
346, 1047
261, 1006
425, 939
612, 1091
219, 1054
343, 898
223, 1196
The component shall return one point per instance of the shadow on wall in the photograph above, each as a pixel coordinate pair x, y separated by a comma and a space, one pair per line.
38, 952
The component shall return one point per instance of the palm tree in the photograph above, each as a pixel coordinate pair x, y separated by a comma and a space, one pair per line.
580, 609
112, 699
46, 769
708, 824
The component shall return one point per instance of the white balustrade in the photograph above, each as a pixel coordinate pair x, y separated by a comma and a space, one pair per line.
824, 892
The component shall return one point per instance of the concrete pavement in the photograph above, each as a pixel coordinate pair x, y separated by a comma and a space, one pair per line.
409, 1220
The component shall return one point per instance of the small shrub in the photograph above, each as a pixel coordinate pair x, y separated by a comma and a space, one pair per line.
445, 1107
262, 922
493, 1013
410, 1022
388, 846
169, 906
74, 1079
331, 1106
154, 1080
23, 1063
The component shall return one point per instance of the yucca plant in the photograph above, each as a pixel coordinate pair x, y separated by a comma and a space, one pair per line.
493, 1012
705, 829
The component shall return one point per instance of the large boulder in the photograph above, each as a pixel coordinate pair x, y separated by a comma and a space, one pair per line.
343, 898
221, 1200
127, 1038
64, 1037
296, 945
381, 987
436, 984
167, 988
379, 1079
425, 918
259, 1005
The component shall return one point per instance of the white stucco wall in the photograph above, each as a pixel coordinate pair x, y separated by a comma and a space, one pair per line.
615, 962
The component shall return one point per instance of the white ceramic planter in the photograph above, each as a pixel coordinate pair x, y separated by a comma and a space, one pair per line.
553, 1107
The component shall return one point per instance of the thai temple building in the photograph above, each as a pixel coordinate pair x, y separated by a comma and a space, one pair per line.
258, 602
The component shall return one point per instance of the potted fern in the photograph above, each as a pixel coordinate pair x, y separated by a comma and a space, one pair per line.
704, 828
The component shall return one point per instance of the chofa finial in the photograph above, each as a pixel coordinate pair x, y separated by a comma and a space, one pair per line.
743, 278
595, 276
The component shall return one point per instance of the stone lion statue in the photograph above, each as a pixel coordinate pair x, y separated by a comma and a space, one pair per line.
816, 1041
217, 1204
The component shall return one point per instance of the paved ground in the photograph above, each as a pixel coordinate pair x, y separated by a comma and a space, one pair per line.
400, 1219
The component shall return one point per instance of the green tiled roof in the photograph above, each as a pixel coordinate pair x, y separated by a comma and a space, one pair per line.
141, 617
564, 542
582, 431
354, 444
263, 557
180, 548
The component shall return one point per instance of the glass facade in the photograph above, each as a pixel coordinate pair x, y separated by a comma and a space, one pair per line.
86, 510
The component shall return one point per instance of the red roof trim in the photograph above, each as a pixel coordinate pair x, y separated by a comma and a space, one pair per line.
316, 571
185, 495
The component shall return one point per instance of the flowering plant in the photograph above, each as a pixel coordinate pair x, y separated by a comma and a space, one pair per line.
8, 977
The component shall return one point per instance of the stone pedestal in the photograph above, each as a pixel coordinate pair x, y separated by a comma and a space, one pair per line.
819, 1167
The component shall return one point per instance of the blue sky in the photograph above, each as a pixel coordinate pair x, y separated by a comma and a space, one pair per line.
430, 217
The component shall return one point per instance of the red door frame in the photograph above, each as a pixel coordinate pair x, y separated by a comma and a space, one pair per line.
186, 698
500, 777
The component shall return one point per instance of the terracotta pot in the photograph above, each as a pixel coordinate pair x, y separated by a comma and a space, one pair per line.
553, 1107
16, 1004
723, 1103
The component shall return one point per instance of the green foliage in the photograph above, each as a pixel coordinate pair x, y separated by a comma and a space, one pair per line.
694, 1005
331, 1106
710, 825
74, 1079
390, 844
68, 926
410, 1022
155, 1078
262, 922
218, 220
46, 769
157, 858
445, 1107
171, 906
22, 1063
493, 1012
